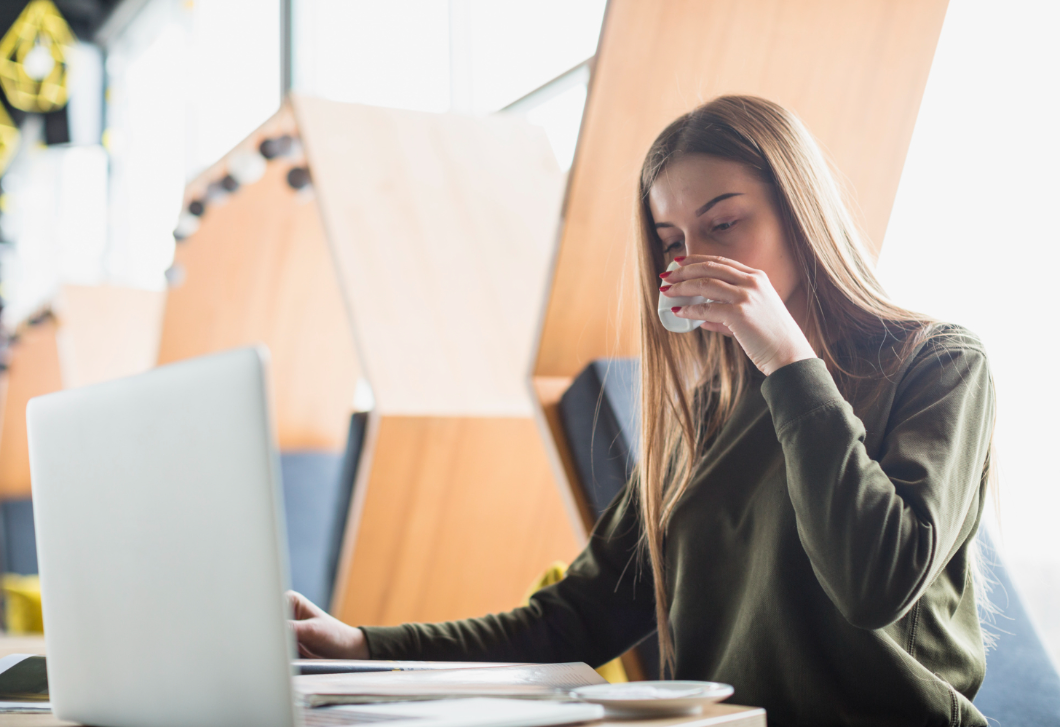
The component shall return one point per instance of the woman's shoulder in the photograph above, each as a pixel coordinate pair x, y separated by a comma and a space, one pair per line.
942, 336
911, 342
946, 358
941, 343
909, 357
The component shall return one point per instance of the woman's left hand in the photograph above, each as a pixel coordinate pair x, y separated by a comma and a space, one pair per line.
745, 306
320, 635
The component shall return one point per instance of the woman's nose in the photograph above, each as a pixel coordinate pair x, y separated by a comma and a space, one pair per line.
695, 246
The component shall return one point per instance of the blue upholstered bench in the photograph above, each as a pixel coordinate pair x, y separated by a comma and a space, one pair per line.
1022, 688
18, 545
601, 417
317, 488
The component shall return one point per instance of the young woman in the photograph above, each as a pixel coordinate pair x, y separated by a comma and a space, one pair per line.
802, 521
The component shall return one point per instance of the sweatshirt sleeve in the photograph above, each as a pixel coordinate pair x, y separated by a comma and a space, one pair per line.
603, 607
878, 532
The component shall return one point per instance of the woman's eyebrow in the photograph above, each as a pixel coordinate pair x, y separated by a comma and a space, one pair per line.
702, 210
719, 198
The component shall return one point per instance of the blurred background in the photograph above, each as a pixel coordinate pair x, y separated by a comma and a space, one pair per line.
155, 91
161, 89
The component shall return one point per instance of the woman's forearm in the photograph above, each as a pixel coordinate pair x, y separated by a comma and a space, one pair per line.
878, 532
595, 613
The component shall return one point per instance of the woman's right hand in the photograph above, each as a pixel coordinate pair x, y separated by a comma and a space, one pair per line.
322, 636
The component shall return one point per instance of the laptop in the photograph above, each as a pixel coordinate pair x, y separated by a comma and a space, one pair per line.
161, 549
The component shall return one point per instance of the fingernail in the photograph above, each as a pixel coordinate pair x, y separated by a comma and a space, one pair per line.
680, 258
664, 275
676, 309
664, 288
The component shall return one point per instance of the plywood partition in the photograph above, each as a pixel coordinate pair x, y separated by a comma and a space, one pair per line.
96, 333
258, 270
459, 516
853, 71
442, 228
107, 332
33, 371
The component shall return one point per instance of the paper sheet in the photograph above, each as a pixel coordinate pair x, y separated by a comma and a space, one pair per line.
531, 681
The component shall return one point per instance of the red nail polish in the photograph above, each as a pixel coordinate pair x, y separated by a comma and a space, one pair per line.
676, 308
664, 288
664, 275
680, 258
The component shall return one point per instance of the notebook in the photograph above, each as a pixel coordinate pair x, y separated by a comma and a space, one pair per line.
524, 681
23, 684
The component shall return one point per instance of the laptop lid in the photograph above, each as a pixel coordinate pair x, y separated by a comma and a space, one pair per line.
160, 545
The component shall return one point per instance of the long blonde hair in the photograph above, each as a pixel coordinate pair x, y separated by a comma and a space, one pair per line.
690, 383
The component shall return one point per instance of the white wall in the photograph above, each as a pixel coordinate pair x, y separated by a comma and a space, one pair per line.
187, 82
974, 239
467, 56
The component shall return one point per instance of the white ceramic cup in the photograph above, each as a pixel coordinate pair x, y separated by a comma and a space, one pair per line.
669, 320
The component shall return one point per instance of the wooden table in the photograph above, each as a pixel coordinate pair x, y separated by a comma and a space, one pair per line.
715, 714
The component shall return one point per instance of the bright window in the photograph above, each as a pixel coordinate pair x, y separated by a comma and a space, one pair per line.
468, 56
181, 93
973, 239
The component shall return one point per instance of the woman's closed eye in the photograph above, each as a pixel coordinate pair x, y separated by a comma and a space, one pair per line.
673, 246
723, 226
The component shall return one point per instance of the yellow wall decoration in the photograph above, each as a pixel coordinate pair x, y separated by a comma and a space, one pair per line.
9, 136
33, 59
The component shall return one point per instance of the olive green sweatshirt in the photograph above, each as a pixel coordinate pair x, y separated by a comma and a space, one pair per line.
819, 562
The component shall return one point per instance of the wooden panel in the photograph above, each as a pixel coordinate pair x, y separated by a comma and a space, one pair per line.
5, 379
33, 371
442, 227
258, 270
854, 71
549, 390
460, 515
107, 332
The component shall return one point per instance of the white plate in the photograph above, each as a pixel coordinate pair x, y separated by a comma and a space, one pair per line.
635, 699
